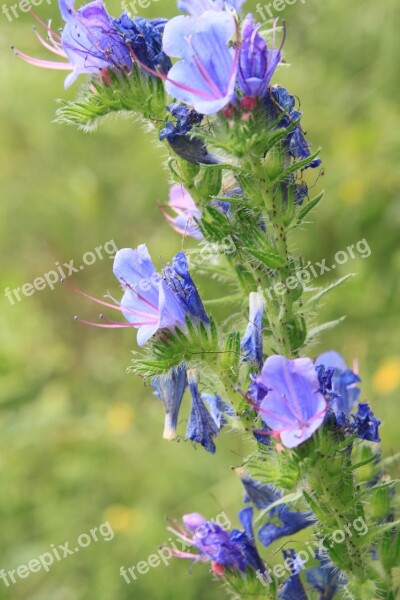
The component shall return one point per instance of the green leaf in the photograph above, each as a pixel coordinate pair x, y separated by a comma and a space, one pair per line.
314, 331
306, 208
311, 302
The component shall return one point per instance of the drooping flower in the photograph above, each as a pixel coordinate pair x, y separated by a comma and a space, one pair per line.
144, 37
179, 281
170, 389
251, 344
205, 76
186, 211
345, 392
325, 578
218, 408
178, 135
257, 62
293, 588
232, 550
283, 521
280, 109
90, 41
293, 406
201, 427
366, 424
197, 7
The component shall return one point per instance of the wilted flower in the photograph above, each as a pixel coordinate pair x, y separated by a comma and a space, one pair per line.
144, 37
366, 424
178, 135
205, 76
345, 392
325, 578
280, 108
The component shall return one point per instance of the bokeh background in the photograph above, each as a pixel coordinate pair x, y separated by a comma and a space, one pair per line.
80, 439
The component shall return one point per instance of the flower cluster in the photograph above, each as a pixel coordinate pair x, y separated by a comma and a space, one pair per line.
238, 161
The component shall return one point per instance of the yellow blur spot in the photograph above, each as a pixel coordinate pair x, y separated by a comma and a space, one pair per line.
352, 190
122, 518
387, 377
119, 417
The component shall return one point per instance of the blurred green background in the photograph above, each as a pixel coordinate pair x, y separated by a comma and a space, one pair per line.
80, 439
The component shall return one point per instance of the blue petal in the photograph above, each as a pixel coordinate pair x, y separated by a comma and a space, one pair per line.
251, 344
170, 390
201, 426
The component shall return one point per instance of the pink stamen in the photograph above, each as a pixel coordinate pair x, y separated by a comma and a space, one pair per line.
43, 24
45, 64
53, 49
137, 313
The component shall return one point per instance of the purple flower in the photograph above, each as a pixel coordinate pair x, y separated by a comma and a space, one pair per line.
179, 138
345, 393
201, 427
251, 344
197, 7
148, 302
257, 63
91, 41
365, 423
144, 37
280, 108
186, 211
170, 389
293, 406
233, 550
205, 77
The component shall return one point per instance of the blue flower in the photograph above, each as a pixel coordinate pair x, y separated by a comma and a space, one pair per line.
144, 37
178, 135
201, 427
91, 40
293, 588
246, 542
343, 384
182, 286
170, 389
197, 7
365, 423
251, 344
257, 62
325, 578
148, 303
293, 407
280, 109
186, 212
262, 496
205, 77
